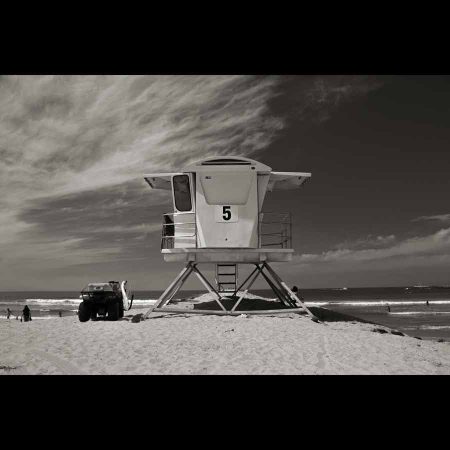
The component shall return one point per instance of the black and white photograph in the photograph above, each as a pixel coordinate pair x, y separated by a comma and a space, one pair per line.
224, 224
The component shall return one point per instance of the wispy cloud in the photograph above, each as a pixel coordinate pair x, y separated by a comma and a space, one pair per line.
437, 218
314, 99
73, 150
416, 260
60, 135
329, 92
369, 241
436, 244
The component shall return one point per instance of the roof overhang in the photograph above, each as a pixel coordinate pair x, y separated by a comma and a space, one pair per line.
277, 181
287, 180
161, 180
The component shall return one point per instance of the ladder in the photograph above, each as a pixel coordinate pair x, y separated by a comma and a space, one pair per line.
226, 277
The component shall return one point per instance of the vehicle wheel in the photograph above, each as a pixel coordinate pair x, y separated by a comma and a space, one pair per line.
84, 312
113, 311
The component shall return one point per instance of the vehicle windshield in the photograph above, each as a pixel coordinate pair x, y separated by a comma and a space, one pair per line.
98, 287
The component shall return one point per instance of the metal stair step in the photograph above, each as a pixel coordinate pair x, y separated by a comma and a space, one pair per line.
226, 281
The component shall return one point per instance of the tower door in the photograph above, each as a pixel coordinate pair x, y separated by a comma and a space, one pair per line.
183, 221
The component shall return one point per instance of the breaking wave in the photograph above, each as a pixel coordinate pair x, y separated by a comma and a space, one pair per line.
65, 301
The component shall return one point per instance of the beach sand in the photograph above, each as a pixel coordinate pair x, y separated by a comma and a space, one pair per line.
207, 344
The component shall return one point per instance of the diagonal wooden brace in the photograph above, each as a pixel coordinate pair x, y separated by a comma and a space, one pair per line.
284, 286
173, 288
208, 286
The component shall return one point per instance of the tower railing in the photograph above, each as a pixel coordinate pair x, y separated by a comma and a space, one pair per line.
179, 230
275, 230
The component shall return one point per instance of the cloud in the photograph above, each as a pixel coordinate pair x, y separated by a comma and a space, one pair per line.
141, 228
60, 135
433, 245
416, 260
328, 93
439, 218
73, 150
66, 139
367, 242
314, 99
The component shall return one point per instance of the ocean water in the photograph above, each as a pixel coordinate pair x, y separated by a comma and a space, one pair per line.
402, 308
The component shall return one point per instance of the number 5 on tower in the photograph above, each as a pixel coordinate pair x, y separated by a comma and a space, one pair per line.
226, 213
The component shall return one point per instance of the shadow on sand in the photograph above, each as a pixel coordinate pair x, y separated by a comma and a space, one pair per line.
247, 304
327, 315
259, 304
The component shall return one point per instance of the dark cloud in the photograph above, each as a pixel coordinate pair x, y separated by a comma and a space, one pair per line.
48, 106
107, 217
314, 99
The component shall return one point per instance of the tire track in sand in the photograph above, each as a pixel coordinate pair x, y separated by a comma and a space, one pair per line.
67, 367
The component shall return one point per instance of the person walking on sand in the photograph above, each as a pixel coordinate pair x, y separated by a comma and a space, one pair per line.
8, 313
296, 292
26, 314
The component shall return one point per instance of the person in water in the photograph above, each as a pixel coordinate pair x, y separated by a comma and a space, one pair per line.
8, 313
26, 314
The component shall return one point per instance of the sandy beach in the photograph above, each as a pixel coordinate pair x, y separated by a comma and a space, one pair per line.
200, 344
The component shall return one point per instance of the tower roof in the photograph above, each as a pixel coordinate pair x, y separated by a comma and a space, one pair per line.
221, 161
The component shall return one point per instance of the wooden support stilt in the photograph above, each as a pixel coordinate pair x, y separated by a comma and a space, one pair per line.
289, 292
208, 286
281, 296
173, 288
245, 292
168, 309
243, 284
279, 287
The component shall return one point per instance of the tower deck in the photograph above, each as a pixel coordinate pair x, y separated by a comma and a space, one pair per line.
227, 255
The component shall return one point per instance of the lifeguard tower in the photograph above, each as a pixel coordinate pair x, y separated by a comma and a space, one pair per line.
218, 219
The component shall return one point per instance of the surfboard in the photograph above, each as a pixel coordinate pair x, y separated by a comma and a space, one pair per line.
126, 296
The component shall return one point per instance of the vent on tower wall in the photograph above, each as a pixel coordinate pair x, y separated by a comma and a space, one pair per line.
226, 162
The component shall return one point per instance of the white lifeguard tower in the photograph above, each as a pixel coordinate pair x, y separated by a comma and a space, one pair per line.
218, 219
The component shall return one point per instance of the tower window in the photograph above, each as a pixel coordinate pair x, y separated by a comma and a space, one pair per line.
182, 193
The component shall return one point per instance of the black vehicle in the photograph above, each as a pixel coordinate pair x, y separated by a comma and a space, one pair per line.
108, 300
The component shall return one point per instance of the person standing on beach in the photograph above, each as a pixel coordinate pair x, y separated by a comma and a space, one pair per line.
295, 291
8, 313
26, 314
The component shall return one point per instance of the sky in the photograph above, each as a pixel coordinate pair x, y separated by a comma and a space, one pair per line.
73, 150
